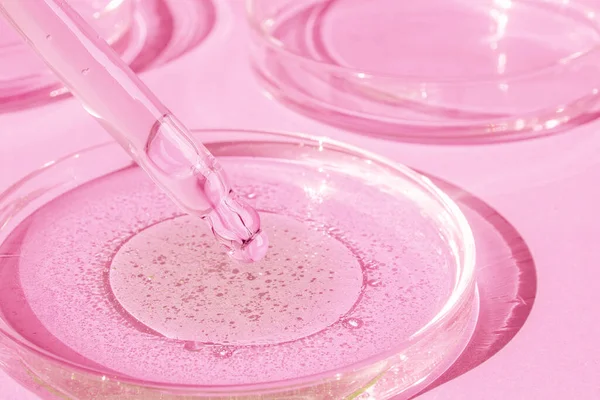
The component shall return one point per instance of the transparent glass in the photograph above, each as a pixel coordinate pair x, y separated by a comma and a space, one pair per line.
432, 70
23, 73
154, 138
109, 291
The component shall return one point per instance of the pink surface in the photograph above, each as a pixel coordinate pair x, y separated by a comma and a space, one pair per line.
545, 188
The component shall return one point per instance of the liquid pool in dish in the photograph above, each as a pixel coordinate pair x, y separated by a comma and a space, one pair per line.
369, 270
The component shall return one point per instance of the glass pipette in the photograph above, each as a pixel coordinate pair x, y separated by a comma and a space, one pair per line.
113, 94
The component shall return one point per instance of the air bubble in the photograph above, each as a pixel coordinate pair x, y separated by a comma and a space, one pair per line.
353, 323
223, 351
372, 265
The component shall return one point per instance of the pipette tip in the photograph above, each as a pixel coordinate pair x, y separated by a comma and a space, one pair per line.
252, 250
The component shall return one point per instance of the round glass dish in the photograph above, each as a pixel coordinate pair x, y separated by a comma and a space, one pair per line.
21, 70
108, 291
445, 70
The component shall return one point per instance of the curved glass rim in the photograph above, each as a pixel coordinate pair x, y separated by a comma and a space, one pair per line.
111, 6
463, 288
273, 43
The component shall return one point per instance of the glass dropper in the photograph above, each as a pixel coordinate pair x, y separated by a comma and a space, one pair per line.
113, 94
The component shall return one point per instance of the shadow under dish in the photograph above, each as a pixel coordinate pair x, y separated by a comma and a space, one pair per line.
506, 281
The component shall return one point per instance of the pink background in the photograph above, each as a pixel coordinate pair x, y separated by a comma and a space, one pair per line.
546, 188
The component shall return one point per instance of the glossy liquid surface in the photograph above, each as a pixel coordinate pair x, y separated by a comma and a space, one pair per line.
113, 276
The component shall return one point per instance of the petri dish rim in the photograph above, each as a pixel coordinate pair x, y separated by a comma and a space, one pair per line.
463, 291
255, 25
125, 7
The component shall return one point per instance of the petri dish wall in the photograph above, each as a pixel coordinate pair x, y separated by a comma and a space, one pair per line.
432, 69
108, 291
22, 73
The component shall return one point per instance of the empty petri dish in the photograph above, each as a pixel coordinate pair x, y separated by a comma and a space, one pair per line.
107, 289
21, 70
432, 69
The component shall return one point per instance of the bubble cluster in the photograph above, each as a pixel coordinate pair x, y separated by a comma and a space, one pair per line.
294, 292
353, 323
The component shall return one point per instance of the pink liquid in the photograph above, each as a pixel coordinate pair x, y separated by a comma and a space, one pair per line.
145, 128
112, 275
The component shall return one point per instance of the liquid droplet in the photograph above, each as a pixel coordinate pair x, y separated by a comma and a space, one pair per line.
85, 71
251, 195
194, 177
256, 248
353, 323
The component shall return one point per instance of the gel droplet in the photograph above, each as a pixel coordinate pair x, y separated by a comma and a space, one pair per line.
257, 248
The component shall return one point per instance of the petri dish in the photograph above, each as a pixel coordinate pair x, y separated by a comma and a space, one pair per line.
432, 70
23, 73
108, 291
